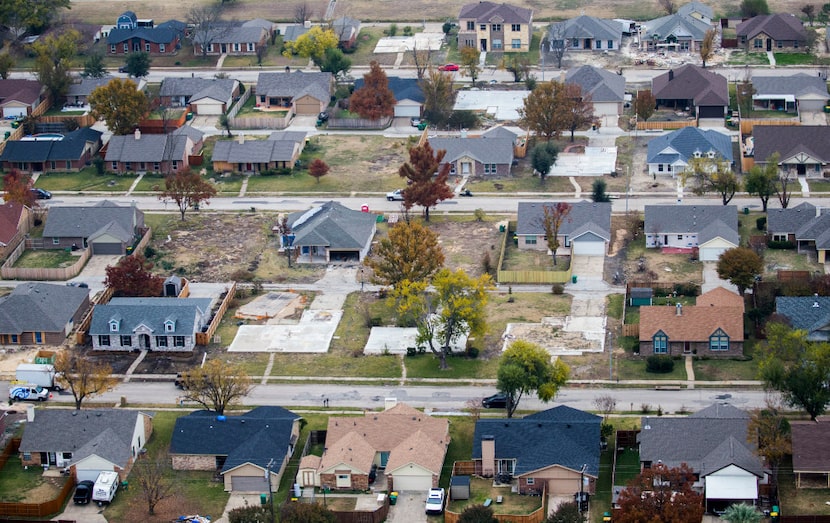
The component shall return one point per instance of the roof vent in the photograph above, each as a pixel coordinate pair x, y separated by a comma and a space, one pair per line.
646, 426
680, 309
815, 303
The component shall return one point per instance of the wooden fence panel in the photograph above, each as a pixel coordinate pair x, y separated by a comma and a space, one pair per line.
145, 240
84, 120
464, 468
11, 273
32, 509
658, 126
263, 122
537, 277
631, 329
748, 123
203, 338
234, 110
359, 123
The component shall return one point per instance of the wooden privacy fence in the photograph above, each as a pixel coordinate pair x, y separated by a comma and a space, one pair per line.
142, 244
537, 516
39, 273
538, 277
203, 338
235, 108
631, 329
261, 122
156, 126
83, 325
463, 468
359, 123
748, 123
32, 509
659, 126
364, 516
84, 120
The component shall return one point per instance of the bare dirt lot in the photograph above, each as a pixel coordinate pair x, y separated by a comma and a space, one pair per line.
466, 243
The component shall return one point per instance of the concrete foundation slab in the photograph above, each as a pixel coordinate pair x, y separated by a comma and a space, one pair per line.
395, 340
266, 306
402, 44
312, 334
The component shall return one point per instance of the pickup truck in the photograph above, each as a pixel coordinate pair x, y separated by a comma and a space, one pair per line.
396, 195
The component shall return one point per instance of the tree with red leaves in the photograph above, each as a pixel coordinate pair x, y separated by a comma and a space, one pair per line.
374, 100
132, 277
17, 187
187, 189
661, 494
318, 169
425, 187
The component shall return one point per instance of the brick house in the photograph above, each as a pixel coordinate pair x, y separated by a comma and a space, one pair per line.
481, 157
302, 93
105, 227
71, 153
231, 38
131, 36
779, 32
160, 153
41, 313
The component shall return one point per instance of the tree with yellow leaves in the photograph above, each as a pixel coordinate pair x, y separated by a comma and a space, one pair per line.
312, 44
525, 367
82, 376
120, 104
216, 385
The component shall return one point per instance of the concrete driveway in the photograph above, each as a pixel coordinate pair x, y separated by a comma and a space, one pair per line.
408, 509
711, 280
813, 118
89, 513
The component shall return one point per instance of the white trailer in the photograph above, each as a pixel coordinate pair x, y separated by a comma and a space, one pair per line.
105, 487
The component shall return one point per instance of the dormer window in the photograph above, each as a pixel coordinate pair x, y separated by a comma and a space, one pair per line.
697, 154
169, 326
719, 341
114, 325
711, 154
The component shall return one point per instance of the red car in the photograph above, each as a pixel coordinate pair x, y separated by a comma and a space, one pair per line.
448, 67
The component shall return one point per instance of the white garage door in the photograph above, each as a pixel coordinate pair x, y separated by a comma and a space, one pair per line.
210, 108
589, 248
88, 474
419, 483
711, 253
14, 111
249, 484
407, 111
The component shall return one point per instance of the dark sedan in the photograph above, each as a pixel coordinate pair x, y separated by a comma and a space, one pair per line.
496, 401
41, 194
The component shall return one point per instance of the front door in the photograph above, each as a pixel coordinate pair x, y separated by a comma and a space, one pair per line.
801, 169
769, 44
52, 459
144, 341
687, 347
344, 481
484, 44
224, 48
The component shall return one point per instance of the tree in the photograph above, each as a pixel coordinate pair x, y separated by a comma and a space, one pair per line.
374, 100
138, 64
318, 168
469, 62
552, 218
81, 376
422, 58
566, 513
302, 13
336, 63
644, 105
518, 65
187, 189
707, 46
809, 11
661, 494
410, 252
120, 104
131, 276
769, 432
6, 64
537, 111
306, 513
668, 6
713, 175
760, 182
251, 514
598, 193
543, 156
53, 62
478, 514
525, 368
21, 16
783, 180
151, 477
216, 385
439, 96
225, 123
556, 43
94, 66
312, 44
576, 108
811, 41
206, 23
740, 266
741, 513
17, 187
425, 188
743, 94
751, 8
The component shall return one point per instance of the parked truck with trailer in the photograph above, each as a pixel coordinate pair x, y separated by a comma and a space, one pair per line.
40, 374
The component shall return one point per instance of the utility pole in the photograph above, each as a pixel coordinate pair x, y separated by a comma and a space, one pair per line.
581, 489
270, 493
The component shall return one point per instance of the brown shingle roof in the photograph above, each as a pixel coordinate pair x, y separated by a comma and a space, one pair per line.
811, 446
690, 82
720, 297
695, 323
351, 449
26, 91
419, 449
778, 26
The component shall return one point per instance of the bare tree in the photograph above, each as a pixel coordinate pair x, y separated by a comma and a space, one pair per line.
207, 26
150, 475
552, 219
302, 12
605, 404
422, 59
707, 46
668, 6
557, 43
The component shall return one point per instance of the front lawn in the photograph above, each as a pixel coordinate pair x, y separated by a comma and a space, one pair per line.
796, 59
85, 180
45, 259
634, 368
819, 185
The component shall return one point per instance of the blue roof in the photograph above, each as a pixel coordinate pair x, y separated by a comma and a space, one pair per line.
158, 35
402, 88
689, 140
129, 313
70, 148
809, 313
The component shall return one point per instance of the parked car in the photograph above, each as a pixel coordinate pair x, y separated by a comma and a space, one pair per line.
465, 192
123, 69
26, 391
496, 401
396, 195
41, 194
435, 501
323, 117
448, 67
83, 492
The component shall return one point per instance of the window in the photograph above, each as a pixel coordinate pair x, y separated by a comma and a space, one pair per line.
684, 46
137, 47
66, 455
38, 337
104, 340
236, 47
497, 28
598, 44
126, 341
178, 341
530, 240
21, 165
126, 47
169, 326
68, 164
128, 166
497, 44
758, 43
660, 167
161, 341
575, 43
531, 481
489, 168
27, 456
114, 166
610, 44
210, 50
680, 237
482, 27
15, 338
156, 166
250, 47
795, 44
661, 343
161, 48
515, 27
143, 166
147, 47
56, 241
452, 168
779, 237
469, 42
471, 26
175, 165
52, 165
719, 341
516, 43
112, 48
779, 44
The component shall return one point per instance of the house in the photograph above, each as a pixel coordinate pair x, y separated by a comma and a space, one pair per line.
712, 229
69, 152
88, 442
811, 453
713, 443
692, 88
586, 230
280, 151
160, 153
196, 139
153, 324
41, 313
211, 96
673, 153
130, 35
782, 224
408, 93
779, 32
793, 93
606, 91
409, 445
346, 29
492, 27
697, 10
19, 97
106, 227
485, 156
586, 33
675, 32
243, 449
78, 92
808, 313
303, 93
329, 233
713, 327
232, 38
802, 149
294, 31
15, 222
554, 451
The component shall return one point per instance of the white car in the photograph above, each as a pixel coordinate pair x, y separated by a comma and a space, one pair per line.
435, 501
396, 195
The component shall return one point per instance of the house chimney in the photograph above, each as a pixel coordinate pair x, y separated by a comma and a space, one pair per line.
679, 309
671, 75
388, 403
488, 456
241, 138
138, 134
30, 413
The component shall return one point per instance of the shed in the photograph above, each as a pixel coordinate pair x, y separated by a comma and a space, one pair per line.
172, 286
640, 296
460, 487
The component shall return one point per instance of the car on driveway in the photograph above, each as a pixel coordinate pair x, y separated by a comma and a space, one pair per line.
41, 194
435, 501
395, 196
449, 67
496, 401
83, 492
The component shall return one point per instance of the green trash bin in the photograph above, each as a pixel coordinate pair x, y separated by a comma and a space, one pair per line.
573, 278
393, 498
746, 210
263, 499
501, 228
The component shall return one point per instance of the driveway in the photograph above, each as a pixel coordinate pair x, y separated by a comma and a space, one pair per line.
408, 509
813, 118
711, 280
94, 272
89, 513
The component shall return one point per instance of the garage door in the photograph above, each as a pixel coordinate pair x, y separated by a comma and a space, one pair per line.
87, 474
249, 484
562, 487
710, 111
419, 483
711, 253
589, 248
106, 248
14, 111
407, 111
208, 108
308, 106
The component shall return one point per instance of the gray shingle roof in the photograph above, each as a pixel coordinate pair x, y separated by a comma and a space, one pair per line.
219, 88
191, 132
86, 85
602, 85
486, 11
254, 437
583, 217
70, 148
76, 222
787, 141
542, 440
817, 230
106, 433
332, 225
288, 136
684, 143
778, 26
152, 312
254, 151
680, 219
690, 82
677, 25
486, 149
809, 313
159, 35
295, 85
40, 307
585, 26
147, 148
789, 220
797, 85
294, 31
692, 7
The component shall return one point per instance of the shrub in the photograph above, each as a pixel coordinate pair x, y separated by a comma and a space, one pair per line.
463, 119
780, 245
98, 162
557, 288
687, 289
659, 364
761, 223
473, 352
149, 252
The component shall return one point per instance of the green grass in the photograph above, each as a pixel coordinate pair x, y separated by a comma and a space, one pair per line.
614, 305
16, 482
482, 489
819, 185
744, 58
800, 502
795, 59
365, 48
634, 368
628, 466
85, 180
460, 447
45, 259
427, 365
249, 109
728, 369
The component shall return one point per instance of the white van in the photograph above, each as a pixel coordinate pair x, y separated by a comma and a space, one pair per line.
105, 486
27, 391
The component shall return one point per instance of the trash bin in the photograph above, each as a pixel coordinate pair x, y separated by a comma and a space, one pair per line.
501, 228
573, 278
8, 133
263, 499
393, 498
746, 210
189, 116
